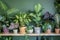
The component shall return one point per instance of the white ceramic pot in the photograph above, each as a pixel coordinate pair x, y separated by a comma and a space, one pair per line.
15, 31
37, 30
30, 31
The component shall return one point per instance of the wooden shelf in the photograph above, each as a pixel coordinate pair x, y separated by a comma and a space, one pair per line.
42, 34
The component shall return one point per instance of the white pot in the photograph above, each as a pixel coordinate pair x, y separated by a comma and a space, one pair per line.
30, 31
15, 31
37, 30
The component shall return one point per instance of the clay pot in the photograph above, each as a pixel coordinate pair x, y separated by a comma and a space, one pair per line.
22, 30
57, 30
48, 31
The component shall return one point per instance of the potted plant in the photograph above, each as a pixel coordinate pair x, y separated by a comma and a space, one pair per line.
2, 19
57, 29
47, 28
5, 29
30, 29
57, 6
36, 17
48, 22
22, 19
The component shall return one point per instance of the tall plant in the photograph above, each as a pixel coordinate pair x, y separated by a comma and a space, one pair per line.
36, 17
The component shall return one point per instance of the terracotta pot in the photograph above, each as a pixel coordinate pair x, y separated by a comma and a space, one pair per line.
22, 30
57, 30
48, 31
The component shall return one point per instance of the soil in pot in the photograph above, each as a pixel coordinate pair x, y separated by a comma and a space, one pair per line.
22, 30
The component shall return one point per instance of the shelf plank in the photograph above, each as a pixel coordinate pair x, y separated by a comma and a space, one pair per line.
42, 34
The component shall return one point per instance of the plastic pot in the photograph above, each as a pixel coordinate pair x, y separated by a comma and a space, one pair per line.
30, 31
15, 31
37, 30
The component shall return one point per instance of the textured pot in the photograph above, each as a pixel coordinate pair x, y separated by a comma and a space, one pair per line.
30, 31
22, 30
57, 30
15, 31
37, 30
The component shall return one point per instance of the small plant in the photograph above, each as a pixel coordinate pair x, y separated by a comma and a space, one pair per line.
46, 26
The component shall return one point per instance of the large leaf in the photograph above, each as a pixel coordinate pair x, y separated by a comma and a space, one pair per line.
12, 10
32, 15
37, 8
3, 6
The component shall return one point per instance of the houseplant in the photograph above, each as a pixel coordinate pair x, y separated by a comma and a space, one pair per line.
57, 29
22, 18
2, 19
36, 17
7, 13
47, 28
5, 29
48, 22
57, 6
30, 29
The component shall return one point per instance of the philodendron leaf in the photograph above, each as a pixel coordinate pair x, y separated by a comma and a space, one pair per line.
38, 18
29, 20
12, 10
17, 16
3, 6
32, 15
25, 15
37, 8
39, 14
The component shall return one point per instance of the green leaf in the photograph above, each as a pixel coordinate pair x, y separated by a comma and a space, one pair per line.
32, 15
39, 14
3, 6
37, 8
12, 10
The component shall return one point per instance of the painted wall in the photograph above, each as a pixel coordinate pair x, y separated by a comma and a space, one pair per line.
25, 5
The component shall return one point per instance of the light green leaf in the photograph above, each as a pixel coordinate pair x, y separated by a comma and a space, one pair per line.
12, 10
3, 6
37, 8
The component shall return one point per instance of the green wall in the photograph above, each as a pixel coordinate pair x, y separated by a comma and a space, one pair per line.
25, 5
